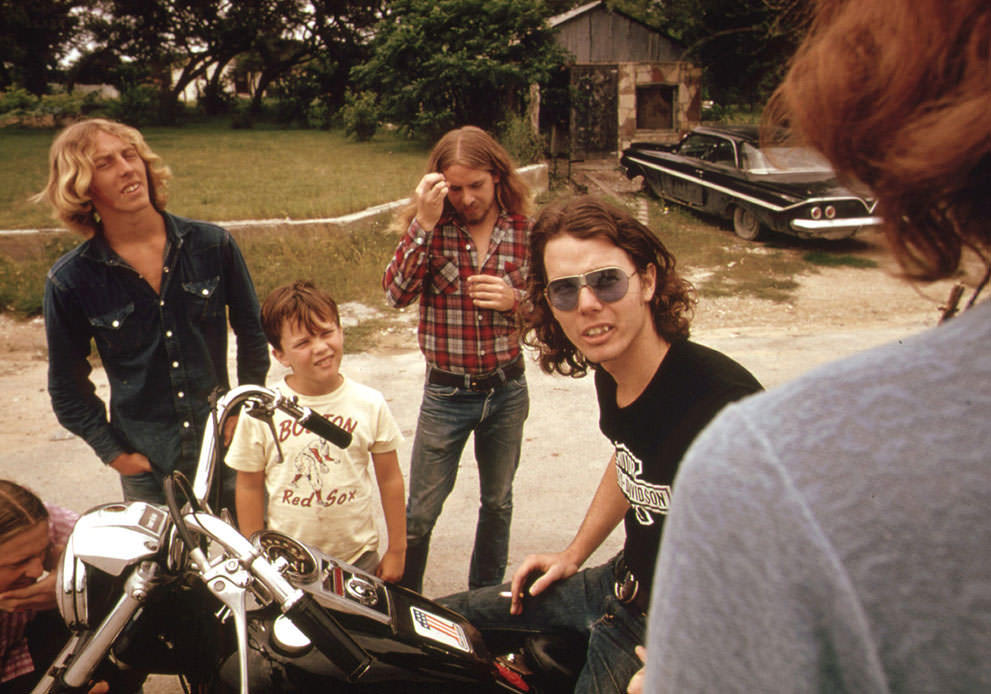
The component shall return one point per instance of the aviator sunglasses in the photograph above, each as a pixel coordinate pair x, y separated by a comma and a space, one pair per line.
609, 284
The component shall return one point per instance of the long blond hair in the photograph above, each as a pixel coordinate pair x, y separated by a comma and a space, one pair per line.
70, 173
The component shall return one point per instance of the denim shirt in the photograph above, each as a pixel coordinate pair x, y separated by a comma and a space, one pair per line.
163, 353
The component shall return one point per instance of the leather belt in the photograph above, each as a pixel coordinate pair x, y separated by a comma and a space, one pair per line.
480, 383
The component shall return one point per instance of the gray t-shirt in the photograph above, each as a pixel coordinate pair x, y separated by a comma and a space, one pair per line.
834, 534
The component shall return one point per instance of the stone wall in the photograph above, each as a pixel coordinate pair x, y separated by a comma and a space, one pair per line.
687, 79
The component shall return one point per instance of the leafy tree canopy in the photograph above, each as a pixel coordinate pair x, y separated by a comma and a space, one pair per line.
438, 64
743, 46
34, 36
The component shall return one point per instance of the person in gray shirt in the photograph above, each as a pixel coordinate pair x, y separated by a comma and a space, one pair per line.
832, 535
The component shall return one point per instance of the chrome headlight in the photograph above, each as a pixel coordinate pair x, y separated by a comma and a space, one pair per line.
71, 590
104, 543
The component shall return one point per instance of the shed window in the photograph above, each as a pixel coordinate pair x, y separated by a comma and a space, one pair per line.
655, 106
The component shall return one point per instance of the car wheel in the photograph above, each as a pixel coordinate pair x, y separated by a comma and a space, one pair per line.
745, 224
654, 187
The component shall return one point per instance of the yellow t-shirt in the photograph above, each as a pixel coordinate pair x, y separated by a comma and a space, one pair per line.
321, 494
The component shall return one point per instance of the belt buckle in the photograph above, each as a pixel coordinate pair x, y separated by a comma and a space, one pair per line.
473, 384
626, 588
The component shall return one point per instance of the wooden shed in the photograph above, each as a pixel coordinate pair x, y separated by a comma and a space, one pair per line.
627, 81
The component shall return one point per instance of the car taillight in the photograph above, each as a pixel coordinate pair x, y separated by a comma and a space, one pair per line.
815, 213
830, 212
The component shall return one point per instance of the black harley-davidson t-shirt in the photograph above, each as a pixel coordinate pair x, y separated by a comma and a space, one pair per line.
652, 433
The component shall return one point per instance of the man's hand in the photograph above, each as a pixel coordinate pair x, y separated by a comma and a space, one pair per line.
131, 464
392, 566
636, 682
37, 596
553, 567
430, 195
489, 291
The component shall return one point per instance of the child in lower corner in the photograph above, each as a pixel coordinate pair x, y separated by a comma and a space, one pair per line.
321, 494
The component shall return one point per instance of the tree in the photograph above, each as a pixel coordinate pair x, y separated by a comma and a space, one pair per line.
178, 42
34, 37
743, 46
438, 64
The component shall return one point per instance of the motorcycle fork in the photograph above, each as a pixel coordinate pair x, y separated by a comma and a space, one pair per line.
76, 662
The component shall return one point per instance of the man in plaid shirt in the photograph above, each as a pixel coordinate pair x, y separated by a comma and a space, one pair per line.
464, 255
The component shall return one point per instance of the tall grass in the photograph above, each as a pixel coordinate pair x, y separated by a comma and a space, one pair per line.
347, 263
222, 174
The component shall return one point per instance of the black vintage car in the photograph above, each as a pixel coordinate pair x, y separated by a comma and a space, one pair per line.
723, 171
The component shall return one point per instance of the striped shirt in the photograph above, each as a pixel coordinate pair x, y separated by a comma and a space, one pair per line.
14, 656
432, 266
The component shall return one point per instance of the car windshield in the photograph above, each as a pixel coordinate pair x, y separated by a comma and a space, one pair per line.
783, 160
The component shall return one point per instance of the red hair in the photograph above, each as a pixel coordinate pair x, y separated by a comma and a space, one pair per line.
897, 94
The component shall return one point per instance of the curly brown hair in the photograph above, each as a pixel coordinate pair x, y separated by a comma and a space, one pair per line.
71, 167
672, 304
897, 94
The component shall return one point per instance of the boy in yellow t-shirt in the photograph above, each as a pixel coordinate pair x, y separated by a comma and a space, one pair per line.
319, 493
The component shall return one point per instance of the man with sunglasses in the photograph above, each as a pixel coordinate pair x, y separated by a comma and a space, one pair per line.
605, 294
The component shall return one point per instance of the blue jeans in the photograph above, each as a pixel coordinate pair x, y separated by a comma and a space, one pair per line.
584, 602
448, 415
147, 486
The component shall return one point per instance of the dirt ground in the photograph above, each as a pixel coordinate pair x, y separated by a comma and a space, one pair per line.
835, 312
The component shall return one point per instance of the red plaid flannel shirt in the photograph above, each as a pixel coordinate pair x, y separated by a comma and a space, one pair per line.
14, 655
454, 334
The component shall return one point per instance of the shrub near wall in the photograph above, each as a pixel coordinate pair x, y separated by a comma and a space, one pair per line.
20, 107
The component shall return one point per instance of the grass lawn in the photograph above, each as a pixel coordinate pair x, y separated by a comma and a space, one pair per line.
221, 174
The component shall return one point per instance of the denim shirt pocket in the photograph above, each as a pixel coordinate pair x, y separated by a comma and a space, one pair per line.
445, 276
115, 333
203, 299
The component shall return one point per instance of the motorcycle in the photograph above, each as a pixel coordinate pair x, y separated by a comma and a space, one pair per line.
176, 589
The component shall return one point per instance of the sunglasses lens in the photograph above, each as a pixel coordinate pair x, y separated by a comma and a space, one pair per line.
609, 284
563, 293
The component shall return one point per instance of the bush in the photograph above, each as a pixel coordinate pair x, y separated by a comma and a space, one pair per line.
61, 107
360, 115
519, 139
16, 100
241, 116
137, 105
318, 115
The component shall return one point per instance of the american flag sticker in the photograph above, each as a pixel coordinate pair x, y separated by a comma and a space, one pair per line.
439, 629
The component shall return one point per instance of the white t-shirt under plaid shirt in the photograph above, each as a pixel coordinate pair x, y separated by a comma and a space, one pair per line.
321, 494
